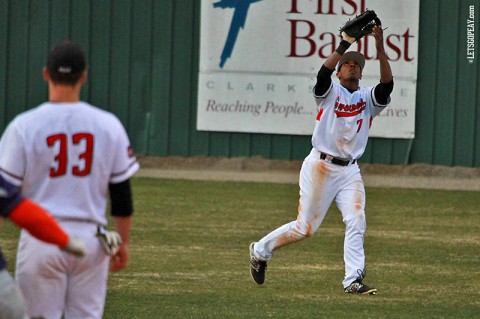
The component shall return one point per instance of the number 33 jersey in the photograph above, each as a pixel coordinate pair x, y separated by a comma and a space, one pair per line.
344, 120
64, 155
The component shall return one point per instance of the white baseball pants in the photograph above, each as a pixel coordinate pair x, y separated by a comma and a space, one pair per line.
54, 282
11, 300
321, 182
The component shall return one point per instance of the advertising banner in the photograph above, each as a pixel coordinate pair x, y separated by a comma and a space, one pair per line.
259, 60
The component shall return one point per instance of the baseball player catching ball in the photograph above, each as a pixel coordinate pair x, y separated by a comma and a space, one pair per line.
330, 172
67, 155
28, 215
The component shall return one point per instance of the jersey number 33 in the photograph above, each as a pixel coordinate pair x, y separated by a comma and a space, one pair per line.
83, 144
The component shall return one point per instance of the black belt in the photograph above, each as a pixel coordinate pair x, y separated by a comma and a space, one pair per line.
336, 160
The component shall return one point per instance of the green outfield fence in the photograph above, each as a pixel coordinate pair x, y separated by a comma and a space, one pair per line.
144, 59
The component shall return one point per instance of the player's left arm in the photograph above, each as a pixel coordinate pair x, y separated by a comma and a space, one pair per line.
122, 211
385, 87
121, 258
385, 69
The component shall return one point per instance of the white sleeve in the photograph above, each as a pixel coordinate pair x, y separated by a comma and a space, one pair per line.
324, 95
377, 108
320, 99
125, 162
12, 155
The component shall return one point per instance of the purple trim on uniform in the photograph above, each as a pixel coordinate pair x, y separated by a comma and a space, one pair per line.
9, 198
124, 171
11, 175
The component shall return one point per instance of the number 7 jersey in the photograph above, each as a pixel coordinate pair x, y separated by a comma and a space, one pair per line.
344, 120
64, 155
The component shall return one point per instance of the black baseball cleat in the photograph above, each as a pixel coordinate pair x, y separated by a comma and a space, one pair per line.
358, 287
257, 267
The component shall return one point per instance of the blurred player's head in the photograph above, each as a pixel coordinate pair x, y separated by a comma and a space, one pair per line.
66, 63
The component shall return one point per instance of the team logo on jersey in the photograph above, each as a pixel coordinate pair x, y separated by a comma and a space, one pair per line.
348, 110
130, 152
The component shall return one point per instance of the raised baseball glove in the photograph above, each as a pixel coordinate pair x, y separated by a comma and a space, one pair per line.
361, 25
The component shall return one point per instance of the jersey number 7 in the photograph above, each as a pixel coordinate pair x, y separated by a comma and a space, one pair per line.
61, 157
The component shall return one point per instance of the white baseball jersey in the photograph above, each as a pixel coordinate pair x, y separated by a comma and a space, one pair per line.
64, 155
341, 130
344, 120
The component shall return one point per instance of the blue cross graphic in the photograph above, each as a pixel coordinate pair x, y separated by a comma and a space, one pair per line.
238, 21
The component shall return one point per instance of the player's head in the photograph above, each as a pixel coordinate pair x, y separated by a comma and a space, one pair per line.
349, 71
66, 63
352, 56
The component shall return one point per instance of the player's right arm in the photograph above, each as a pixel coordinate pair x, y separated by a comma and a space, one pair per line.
43, 226
324, 76
332, 60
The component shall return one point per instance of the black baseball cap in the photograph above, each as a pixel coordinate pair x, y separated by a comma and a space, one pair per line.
66, 60
352, 55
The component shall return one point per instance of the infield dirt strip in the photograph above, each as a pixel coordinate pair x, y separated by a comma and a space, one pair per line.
286, 172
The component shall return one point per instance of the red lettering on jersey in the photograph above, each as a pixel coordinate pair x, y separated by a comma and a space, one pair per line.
348, 110
319, 115
61, 157
86, 156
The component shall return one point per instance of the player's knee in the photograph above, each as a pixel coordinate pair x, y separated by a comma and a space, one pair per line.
304, 228
356, 222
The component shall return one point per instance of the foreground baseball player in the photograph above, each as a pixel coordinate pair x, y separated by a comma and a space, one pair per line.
67, 155
330, 172
28, 215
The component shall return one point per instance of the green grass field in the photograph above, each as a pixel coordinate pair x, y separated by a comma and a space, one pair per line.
189, 255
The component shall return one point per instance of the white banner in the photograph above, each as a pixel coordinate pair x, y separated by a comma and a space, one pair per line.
259, 60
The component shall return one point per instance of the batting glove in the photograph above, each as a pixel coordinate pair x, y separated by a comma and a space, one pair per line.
110, 240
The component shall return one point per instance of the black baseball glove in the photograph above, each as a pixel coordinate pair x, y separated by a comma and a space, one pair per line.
360, 26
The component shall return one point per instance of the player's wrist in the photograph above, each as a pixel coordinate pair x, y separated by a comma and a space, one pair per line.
75, 246
343, 47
